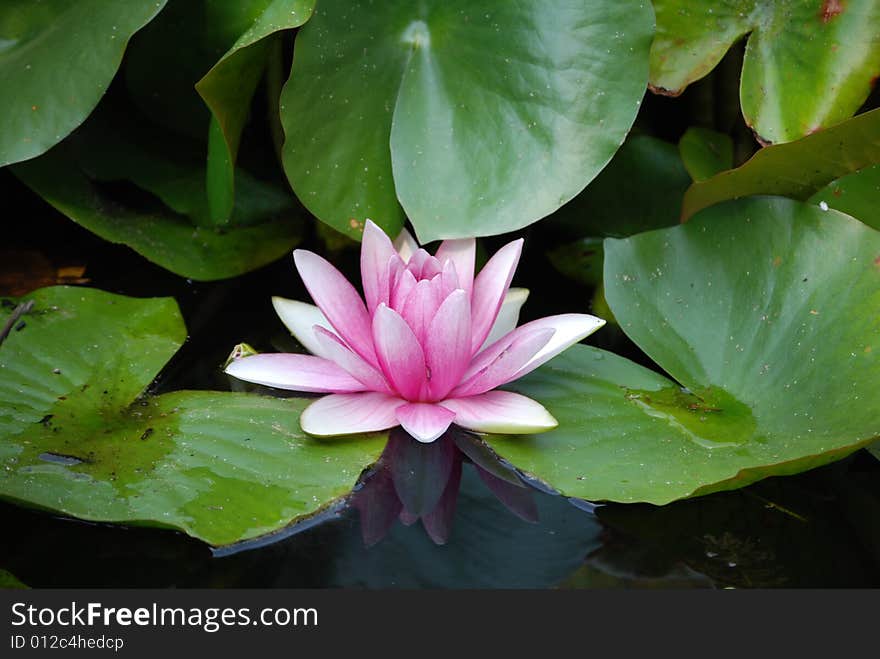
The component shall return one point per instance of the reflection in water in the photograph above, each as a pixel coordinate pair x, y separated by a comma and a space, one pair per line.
819, 529
420, 482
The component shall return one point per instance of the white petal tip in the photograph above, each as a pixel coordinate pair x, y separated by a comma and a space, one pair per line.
424, 439
532, 426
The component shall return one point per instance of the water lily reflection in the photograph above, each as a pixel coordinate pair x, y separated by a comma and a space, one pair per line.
419, 482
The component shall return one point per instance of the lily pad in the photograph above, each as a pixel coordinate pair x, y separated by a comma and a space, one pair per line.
767, 314
56, 61
808, 64
797, 169
857, 194
154, 230
80, 440
230, 84
496, 113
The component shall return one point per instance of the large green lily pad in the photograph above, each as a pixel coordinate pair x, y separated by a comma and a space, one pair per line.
797, 169
77, 438
808, 63
766, 310
479, 117
57, 59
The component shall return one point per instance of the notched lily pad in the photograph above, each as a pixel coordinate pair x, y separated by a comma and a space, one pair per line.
496, 114
79, 438
808, 63
766, 311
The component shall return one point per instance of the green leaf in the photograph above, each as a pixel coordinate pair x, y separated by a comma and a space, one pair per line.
796, 169
57, 59
705, 152
766, 310
111, 146
9, 582
496, 113
171, 54
640, 189
808, 64
581, 260
230, 84
157, 232
219, 466
857, 194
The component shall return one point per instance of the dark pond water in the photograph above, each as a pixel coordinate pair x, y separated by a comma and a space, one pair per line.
818, 529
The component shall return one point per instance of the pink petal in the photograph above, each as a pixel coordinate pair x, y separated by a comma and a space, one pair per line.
301, 318
567, 330
376, 251
339, 301
421, 305
570, 328
500, 412
449, 279
401, 290
343, 414
296, 372
448, 344
417, 262
399, 353
508, 315
424, 266
405, 245
424, 421
490, 287
501, 366
431, 268
335, 350
461, 253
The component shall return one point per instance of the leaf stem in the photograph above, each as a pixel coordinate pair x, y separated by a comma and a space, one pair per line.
17, 313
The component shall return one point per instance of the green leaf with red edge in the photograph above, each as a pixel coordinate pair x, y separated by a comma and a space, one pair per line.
797, 169
856, 194
808, 64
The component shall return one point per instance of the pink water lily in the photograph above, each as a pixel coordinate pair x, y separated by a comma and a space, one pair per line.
428, 349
